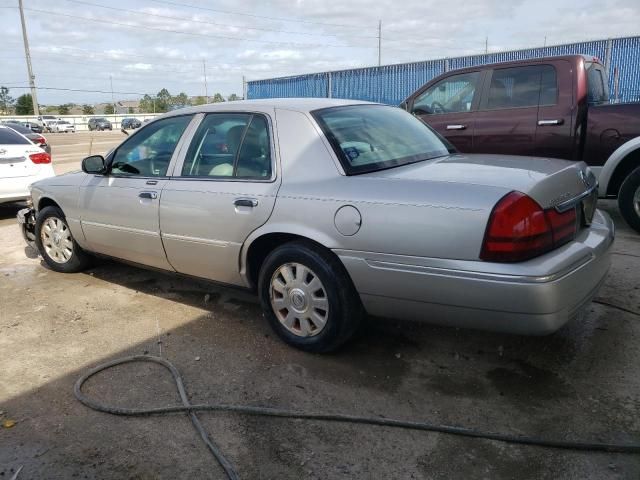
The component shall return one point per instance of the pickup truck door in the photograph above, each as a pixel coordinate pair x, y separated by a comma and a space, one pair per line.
119, 210
224, 187
554, 136
448, 107
507, 116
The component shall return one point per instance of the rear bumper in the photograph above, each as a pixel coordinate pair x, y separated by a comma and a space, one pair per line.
536, 297
15, 189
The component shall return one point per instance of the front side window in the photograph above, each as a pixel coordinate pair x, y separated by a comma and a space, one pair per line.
368, 138
232, 145
149, 152
522, 87
451, 95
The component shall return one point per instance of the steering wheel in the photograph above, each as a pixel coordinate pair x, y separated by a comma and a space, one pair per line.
437, 107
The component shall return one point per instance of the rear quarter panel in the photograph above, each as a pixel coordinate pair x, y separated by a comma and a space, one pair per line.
403, 217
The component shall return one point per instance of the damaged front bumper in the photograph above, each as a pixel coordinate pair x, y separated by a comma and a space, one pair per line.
27, 222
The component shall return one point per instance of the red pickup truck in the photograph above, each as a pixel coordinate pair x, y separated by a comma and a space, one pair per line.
546, 107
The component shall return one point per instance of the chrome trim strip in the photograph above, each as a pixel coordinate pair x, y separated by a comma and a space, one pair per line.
568, 204
205, 241
120, 228
445, 272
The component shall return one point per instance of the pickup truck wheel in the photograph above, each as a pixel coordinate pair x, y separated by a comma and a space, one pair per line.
308, 298
629, 199
56, 244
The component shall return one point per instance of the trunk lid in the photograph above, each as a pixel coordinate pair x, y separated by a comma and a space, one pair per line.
15, 162
549, 181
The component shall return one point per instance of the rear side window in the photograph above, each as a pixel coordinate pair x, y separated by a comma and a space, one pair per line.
9, 137
597, 92
522, 87
231, 145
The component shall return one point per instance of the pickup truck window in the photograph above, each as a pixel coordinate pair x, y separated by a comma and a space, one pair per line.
450, 95
597, 92
522, 87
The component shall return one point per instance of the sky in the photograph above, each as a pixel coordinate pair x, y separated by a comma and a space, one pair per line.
144, 46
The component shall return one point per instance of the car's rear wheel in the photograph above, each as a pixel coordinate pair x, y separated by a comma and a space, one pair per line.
629, 199
56, 244
308, 297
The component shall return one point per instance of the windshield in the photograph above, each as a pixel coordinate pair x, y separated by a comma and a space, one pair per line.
367, 138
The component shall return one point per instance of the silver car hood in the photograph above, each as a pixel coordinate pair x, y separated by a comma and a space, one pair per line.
549, 181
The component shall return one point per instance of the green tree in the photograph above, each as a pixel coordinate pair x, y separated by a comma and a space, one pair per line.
147, 104
88, 110
163, 100
180, 100
217, 98
233, 97
24, 105
199, 100
63, 109
6, 101
109, 110
50, 109
130, 110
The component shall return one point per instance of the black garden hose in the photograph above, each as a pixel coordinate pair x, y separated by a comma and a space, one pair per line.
191, 410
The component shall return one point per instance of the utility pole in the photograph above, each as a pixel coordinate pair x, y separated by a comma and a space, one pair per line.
486, 45
113, 101
545, 42
27, 54
379, 42
244, 87
204, 70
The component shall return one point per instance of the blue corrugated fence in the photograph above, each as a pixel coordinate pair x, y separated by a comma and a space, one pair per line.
393, 83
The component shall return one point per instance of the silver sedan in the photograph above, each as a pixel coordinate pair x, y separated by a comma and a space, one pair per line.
332, 210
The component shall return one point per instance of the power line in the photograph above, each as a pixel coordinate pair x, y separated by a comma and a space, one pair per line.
195, 34
206, 22
82, 90
253, 15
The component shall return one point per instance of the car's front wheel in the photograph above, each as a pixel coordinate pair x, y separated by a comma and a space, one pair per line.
308, 297
629, 199
56, 244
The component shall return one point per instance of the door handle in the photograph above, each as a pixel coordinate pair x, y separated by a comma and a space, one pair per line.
544, 123
148, 195
456, 127
245, 202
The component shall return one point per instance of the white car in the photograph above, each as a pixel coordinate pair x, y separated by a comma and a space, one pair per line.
21, 163
62, 126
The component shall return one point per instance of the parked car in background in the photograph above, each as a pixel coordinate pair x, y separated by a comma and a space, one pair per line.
21, 163
554, 107
33, 126
36, 138
62, 126
132, 123
329, 208
45, 120
99, 124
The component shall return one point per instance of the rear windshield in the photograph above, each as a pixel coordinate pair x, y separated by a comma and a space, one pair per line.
9, 137
367, 138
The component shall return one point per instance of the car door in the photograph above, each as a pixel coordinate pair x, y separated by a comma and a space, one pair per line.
507, 118
119, 210
224, 187
554, 136
448, 107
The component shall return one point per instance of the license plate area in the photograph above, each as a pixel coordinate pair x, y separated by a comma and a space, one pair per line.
588, 208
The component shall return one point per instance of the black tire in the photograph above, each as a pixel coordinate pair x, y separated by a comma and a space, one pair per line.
79, 259
345, 311
629, 199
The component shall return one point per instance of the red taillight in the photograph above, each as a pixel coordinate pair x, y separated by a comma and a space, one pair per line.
519, 229
40, 157
40, 140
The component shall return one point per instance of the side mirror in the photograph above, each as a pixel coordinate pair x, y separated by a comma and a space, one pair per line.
94, 164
